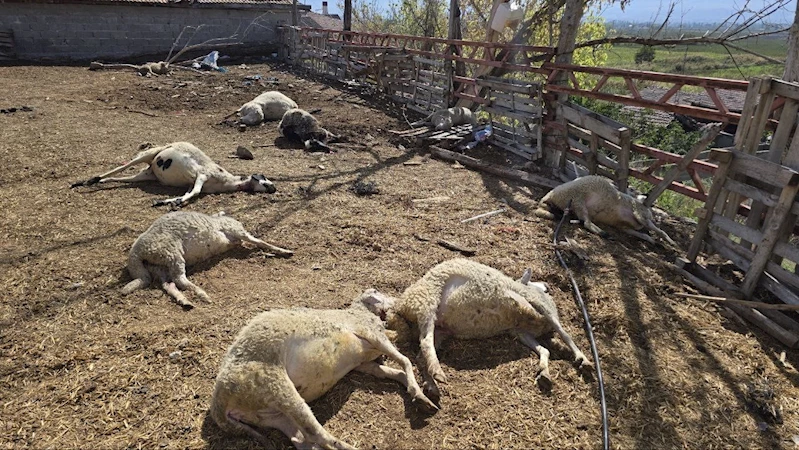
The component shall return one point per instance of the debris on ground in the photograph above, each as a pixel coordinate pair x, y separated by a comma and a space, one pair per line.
362, 188
242, 153
13, 110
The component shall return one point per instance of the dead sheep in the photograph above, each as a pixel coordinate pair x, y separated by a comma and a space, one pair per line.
284, 358
270, 105
595, 199
469, 300
298, 125
445, 119
179, 239
183, 164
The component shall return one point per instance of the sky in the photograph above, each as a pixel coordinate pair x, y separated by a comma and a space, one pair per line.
646, 10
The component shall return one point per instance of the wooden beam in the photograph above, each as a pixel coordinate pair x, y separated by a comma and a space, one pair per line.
474, 163
709, 133
725, 157
735, 301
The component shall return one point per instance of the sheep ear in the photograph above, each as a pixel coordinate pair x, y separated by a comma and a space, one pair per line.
528, 273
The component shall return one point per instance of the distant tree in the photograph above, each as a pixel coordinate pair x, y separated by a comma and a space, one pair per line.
645, 54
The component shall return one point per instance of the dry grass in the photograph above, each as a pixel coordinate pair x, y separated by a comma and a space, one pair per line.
83, 367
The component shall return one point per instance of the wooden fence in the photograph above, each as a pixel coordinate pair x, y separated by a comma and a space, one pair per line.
749, 212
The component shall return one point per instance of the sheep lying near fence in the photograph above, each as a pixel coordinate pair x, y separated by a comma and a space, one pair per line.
469, 300
284, 358
179, 239
445, 119
270, 105
299, 125
595, 198
183, 164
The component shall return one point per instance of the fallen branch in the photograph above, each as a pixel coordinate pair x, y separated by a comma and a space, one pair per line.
455, 247
474, 163
734, 301
141, 112
480, 216
449, 245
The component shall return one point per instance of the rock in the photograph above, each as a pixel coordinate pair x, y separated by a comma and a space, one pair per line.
243, 153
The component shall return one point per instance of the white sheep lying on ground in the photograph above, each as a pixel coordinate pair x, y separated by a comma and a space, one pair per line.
183, 164
284, 358
270, 105
469, 300
299, 125
445, 119
595, 199
179, 239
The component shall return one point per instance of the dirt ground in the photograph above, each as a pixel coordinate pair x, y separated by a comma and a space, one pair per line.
82, 366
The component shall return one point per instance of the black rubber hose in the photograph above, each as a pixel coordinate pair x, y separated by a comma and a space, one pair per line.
588, 331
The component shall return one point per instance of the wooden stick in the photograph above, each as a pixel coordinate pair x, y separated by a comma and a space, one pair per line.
455, 247
749, 303
474, 163
480, 216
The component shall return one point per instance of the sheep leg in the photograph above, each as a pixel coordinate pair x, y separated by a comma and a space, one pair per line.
433, 372
579, 357
543, 356
661, 233
146, 156
170, 288
581, 211
641, 236
291, 403
146, 174
139, 273
178, 273
247, 237
177, 201
381, 371
382, 343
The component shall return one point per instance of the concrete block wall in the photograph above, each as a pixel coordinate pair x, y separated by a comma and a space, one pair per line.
78, 32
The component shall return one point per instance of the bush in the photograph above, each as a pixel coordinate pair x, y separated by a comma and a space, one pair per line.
645, 54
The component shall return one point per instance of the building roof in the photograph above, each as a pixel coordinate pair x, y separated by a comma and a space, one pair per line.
321, 21
733, 100
250, 4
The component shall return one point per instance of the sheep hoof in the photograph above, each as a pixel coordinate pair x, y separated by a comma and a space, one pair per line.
425, 404
89, 182
543, 381
431, 392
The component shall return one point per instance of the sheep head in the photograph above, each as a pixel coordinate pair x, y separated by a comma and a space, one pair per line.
376, 302
259, 183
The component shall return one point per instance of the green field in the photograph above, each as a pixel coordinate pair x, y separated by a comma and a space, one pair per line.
706, 60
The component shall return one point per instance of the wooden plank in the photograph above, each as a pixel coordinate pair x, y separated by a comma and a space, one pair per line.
752, 192
760, 169
623, 153
505, 112
514, 105
725, 159
529, 89
771, 230
709, 133
785, 89
591, 123
781, 137
731, 226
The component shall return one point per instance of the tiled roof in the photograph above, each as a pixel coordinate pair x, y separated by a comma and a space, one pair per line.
733, 100
316, 20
